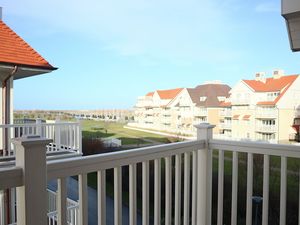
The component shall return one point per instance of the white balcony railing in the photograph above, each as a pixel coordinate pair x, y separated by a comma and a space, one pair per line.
225, 113
266, 128
225, 126
192, 162
65, 136
266, 113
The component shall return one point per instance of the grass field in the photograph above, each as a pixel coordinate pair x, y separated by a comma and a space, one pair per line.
101, 129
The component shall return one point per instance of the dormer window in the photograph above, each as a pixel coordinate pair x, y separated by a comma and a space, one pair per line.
221, 98
202, 98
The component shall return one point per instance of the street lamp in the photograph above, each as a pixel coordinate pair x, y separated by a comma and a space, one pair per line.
290, 10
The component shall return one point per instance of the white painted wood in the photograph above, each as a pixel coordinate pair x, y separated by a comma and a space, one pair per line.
282, 218
118, 195
220, 188
157, 191
266, 176
132, 194
168, 194
11, 177
145, 184
61, 201
204, 132
209, 186
101, 190
31, 198
235, 174
186, 202
88, 164
249, 189
194, 188
83, 199
256, 148
177, 216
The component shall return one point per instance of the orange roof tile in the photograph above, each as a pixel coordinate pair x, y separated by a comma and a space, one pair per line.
271, 84
246, 117
225, 104
169, 94
235, 117
150, 94
266, 103
14, 50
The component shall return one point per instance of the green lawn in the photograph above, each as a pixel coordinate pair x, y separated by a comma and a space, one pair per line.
101, 129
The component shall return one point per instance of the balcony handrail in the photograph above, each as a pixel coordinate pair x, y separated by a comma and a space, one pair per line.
87, 164
37, 124
256, 147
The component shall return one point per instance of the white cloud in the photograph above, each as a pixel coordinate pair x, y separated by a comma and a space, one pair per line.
267, 7
190, 30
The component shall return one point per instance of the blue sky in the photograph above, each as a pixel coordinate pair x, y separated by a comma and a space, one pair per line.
110, 52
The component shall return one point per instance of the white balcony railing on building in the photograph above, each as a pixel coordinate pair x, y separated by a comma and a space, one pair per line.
199, 112
266, 113
225, 126
266, 128
193, 165
225, 113
65, 135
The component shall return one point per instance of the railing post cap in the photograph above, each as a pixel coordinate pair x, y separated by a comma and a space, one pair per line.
31, 140
204, 126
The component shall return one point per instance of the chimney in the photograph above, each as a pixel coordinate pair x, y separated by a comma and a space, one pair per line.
278, 73
0, 13
260, 76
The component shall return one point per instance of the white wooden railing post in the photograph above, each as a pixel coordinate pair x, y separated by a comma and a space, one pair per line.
32, 196
204, 175
39, 127
57, 135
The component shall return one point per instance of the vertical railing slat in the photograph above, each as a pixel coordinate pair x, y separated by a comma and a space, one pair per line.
249, 189
61, 201
101, 189
83, 199
194, 189
235, 167
282, 218
145, 185
220, 187
186, 203
157, 191
168, 207
266, 175
132, 194
177, 189
118, 195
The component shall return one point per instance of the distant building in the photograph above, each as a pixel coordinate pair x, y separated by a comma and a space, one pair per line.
262, 108
178, 110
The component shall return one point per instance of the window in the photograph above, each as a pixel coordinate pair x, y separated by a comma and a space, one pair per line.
202, 98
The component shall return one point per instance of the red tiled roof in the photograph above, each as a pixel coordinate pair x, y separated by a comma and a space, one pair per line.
235, 117
150, 94
14, 50
271, 84
169, 94
246, 117
225, 104
266, 103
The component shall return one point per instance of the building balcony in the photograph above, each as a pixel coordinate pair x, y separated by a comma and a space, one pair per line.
266, 114
66, 136
225, 113
198, 112
190, 162
225, 126
266, 128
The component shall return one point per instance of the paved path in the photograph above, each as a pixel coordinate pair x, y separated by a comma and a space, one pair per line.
72, 186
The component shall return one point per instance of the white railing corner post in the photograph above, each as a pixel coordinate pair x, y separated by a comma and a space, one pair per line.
39, 127
32, 196
204, 174
57, 135
80, 136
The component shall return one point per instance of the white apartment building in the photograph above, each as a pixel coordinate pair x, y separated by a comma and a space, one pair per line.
262, 108
178, 110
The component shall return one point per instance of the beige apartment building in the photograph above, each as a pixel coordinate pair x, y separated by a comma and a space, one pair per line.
262, 109
178, 110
